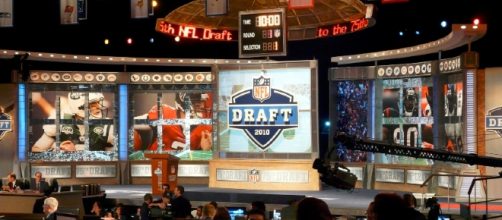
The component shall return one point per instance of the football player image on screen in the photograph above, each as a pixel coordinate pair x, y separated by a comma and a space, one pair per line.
410, 102
72, 135
450, 100
390, 101
426, 101
173, 138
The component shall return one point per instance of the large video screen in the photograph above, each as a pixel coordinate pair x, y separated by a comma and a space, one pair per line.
177, 122
352, 115
72, 123
265, 110
407, 116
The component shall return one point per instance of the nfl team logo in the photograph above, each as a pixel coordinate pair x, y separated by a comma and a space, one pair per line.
494, 120
262, 112
5, 123
254, 176
261, 88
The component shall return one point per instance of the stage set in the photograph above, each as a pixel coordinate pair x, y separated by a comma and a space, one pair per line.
237, 131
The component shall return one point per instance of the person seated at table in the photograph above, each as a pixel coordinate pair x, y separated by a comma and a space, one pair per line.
38, 184
13, 183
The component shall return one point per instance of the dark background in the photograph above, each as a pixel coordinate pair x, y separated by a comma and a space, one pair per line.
37, 28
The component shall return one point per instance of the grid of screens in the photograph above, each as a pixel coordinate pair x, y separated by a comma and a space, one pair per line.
72, 123
453, 93
407, 116
177, 122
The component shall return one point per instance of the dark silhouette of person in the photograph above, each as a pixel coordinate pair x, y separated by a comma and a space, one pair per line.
180, 205
313, 208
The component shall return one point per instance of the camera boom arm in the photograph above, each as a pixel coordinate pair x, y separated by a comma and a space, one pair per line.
353, 143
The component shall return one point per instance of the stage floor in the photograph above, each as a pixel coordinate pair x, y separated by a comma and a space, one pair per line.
341, 202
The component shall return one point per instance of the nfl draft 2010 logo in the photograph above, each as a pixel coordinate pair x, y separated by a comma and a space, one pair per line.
262, 112
5, 123
494, 120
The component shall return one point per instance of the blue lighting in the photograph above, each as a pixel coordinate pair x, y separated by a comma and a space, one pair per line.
21, 138
417, 32
123, 122
152, 40
401, 33
443, 24
327, 123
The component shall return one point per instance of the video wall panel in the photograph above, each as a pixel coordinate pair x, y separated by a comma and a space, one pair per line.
174, 120
352, 107
72, 122
453, 120
266, 110
407, 116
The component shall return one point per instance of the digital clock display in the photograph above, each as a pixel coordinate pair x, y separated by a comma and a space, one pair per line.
273, 20
262, 33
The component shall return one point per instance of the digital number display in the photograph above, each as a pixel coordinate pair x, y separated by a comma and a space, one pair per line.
262, 33
273, 20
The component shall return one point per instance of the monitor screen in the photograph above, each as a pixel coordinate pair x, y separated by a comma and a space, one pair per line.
444, 217
237, 212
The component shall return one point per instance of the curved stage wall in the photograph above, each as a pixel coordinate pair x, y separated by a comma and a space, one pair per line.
435, 104
242, 117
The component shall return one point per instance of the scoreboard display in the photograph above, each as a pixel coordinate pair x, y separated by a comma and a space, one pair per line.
262, 33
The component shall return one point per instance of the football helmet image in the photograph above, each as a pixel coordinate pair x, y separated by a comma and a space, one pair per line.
410, 103
76, 102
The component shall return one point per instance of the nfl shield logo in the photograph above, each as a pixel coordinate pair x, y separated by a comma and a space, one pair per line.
5, 123
261, 88
277, 33
254, 175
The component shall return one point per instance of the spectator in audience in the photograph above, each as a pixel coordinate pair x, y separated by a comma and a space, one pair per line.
38, 207
214, 203
50, 207
197, 213
260, 205
221, 214
108, 216
289, 212
411, 202
145, 208
38, 184
256, 214
313, 208
119, 212
390, 206
164, 203
97, 209
370, 214
208, 211
180, 205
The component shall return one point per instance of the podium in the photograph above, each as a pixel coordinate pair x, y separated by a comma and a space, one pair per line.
164, 171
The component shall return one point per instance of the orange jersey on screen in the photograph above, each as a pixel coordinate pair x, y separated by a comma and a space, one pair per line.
174, 133
170, 133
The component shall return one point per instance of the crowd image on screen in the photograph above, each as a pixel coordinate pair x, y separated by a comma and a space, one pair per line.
352, 110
